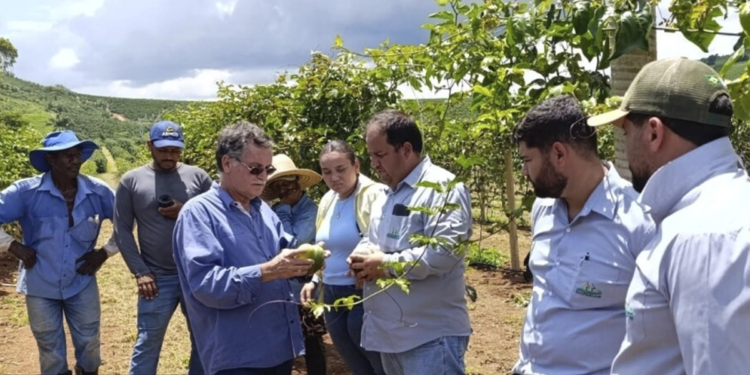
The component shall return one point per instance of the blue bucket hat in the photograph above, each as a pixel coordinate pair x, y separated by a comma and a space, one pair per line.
58, 141
167, 134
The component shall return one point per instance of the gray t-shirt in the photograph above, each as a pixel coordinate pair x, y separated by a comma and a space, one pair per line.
136, 201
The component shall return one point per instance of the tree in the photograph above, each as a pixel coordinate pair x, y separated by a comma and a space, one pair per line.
8, 54
13, 119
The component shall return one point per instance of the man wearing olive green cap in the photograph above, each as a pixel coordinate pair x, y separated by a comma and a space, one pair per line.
688, 305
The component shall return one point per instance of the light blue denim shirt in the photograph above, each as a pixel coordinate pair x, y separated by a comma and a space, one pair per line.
688, 307
41, 210
298, 220
575, 320
435, 307
238, 320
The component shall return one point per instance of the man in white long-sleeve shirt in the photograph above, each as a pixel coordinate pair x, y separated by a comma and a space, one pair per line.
688, 306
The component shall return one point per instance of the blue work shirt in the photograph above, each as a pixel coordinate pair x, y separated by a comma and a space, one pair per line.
575, 320
298, 220
238, 320
39, 207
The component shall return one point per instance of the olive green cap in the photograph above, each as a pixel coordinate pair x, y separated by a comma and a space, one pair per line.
677, 88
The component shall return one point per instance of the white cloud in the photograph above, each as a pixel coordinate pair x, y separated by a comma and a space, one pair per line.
65, 58
179, 48
27, 26
198, 86
68, 9
226, 8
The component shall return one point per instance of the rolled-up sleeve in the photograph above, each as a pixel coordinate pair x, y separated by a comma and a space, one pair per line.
199, 254
11, 209
452, 228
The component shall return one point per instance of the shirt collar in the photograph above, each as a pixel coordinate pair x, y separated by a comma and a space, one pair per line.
670, 183
416, 174
48, 185
227, 199
603, 199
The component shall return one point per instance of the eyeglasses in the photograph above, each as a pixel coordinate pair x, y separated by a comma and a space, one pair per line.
255, 171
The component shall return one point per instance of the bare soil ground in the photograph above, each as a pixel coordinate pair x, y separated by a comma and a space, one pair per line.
496, 317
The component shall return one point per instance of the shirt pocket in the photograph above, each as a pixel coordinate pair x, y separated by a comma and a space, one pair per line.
45, 230
635, 308
86, 232
598, 284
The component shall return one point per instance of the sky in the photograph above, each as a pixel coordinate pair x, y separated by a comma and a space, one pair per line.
179, 49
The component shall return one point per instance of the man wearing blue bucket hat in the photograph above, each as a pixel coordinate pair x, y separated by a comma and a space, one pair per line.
60, 213
152, 196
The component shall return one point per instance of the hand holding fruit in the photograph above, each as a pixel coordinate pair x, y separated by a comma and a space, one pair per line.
366, 266
285, 265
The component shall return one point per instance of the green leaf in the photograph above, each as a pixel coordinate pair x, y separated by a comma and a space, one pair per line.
581, 16
430, 185
403, 284
595, 23
481, 90
528, 202
469, 162
745, 17
632, 32
442, 3
444, 15
338, 42
731, 61
425, 210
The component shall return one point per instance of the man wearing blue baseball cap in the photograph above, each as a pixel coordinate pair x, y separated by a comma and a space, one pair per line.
60, 213
152, 196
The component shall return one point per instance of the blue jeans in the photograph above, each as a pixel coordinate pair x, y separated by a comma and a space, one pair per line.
282, 369
153, 320
82, 312
442, 356
345, 328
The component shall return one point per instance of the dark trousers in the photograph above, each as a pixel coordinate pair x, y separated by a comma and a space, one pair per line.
282, 369
315, 355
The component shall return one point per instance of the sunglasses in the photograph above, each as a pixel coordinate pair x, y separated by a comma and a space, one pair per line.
255, 171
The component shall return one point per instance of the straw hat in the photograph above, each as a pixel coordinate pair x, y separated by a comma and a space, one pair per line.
285, 168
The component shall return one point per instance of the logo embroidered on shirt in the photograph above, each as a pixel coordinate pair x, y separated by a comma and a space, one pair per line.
393, 234
629, 312
589, 290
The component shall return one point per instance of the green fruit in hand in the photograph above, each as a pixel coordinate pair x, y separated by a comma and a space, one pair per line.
314, 252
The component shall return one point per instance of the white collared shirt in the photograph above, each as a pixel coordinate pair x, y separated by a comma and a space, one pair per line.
575, 320
688, 305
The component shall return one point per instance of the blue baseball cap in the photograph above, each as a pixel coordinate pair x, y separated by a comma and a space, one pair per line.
58, 141
167, 134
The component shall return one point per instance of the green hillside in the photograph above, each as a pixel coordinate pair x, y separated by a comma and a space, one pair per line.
118, 124
717, 62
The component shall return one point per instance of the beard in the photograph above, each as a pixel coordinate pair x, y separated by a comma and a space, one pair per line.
550, 183
640, 178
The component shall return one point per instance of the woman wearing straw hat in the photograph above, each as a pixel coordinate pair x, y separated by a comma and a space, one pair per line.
297, 213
